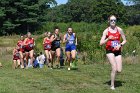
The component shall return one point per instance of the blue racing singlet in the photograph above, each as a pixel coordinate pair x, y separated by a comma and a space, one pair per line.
70, 45
71, 39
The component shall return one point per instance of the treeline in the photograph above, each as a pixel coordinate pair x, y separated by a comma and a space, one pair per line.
87, 11
20, 16
95, 11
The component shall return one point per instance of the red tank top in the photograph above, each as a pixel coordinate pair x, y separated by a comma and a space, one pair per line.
47, 41
16, 53
20, 43
47, 44
29, 43
114, 41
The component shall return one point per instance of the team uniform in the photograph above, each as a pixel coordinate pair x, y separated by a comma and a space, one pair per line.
21, 46
113, 43
70, 44
47, 44
55, 44
16, 55
29, 44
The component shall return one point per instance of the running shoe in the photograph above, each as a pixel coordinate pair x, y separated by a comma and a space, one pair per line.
112, 88
69, 69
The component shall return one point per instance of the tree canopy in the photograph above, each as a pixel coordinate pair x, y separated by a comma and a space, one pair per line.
87, 11
20, 16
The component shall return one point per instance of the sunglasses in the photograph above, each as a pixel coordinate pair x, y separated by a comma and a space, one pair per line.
113, 20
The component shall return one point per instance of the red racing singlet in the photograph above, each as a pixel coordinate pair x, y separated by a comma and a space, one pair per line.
115, 41
47, 44
21, 45
16, 55
29, 43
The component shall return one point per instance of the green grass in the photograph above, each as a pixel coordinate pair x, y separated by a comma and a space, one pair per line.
87, 79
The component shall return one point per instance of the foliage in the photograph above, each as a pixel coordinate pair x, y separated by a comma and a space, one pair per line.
87, 11
133, 14
20, 16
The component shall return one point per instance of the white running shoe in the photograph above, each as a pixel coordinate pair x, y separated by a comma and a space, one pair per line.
112, 88
22, 67
69, 68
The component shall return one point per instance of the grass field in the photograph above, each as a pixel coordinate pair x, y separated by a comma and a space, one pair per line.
87, 79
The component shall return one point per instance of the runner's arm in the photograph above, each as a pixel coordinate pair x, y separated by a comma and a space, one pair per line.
61, 39
33, 42
123, 37
76, 43
25, 41
103, 38
43, 41
52, 38
64, 39
14, 52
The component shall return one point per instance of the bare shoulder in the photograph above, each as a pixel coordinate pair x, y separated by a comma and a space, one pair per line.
25, 39
65, 35
74, 34
120, 30
45, 38
105, 31
52, 36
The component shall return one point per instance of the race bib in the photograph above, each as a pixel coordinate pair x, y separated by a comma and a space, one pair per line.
71, 42
30, 45
21, 46
48, 46
57, 43
17, 54
115, 43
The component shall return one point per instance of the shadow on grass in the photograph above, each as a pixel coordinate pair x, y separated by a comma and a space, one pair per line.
117, 83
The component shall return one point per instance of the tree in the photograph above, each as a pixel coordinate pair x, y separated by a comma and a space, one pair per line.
18, 16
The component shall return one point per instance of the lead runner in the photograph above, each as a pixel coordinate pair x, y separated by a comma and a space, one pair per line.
111, 37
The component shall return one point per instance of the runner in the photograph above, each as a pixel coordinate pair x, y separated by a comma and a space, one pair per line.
56, 40
47, 48
71, 42
21, 47
111, 37
16, 58
29, 48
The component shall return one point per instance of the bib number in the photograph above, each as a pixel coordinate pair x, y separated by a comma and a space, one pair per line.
57, 43
17, 54
30, 45
71, 42
114, 43
48, 46
21, 46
